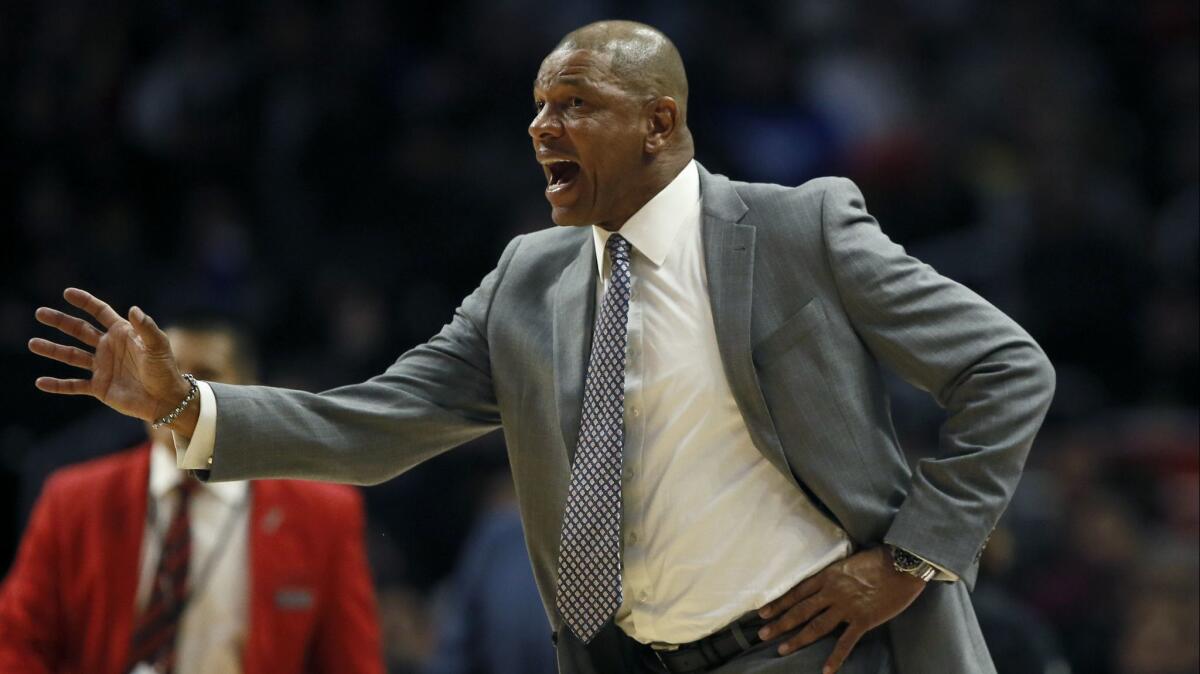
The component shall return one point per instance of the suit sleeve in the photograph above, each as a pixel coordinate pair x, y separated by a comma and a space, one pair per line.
993, 380
434, 397
348, 639
30, 621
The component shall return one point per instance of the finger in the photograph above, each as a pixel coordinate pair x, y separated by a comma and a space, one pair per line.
841, 650
69, 387
92, 304
816, 628
809, 587
795, 616
66, 323
63, 354
155, 340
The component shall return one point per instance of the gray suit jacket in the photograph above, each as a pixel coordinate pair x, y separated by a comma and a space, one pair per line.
809, 298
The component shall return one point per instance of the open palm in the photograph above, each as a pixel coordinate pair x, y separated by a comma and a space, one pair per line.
133, 369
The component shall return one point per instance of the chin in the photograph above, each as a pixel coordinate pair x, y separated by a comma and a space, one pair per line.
566, 218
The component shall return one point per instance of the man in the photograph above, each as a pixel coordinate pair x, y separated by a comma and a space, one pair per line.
130, 565
686, 372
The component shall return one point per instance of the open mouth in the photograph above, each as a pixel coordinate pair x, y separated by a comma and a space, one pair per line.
561, 174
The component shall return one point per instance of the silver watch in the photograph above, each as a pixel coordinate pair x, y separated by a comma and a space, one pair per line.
906, 562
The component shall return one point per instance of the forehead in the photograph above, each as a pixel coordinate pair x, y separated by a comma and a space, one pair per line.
575, 66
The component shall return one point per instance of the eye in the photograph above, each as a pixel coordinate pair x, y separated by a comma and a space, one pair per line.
576, 102
538, 105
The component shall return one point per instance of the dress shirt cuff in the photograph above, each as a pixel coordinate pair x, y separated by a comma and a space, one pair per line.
196, 453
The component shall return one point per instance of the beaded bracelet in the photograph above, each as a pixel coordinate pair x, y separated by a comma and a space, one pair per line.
170, 418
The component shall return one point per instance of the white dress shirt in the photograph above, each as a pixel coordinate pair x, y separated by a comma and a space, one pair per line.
213, 629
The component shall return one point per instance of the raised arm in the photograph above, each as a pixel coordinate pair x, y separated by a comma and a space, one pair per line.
436, 396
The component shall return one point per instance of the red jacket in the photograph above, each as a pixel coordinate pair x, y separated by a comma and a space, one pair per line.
68, 602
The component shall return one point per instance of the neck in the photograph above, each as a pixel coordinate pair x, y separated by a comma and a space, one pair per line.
661, 175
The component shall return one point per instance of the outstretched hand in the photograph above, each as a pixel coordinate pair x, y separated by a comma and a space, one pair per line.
132, 367
862, 592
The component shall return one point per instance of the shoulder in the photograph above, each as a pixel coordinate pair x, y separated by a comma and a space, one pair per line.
95, 476
771, 204
551, 243
537, 259
809, 197
79, 496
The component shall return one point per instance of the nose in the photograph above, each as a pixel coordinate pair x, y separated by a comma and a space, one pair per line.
545, 124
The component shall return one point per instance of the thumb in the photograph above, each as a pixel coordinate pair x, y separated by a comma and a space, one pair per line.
155, 340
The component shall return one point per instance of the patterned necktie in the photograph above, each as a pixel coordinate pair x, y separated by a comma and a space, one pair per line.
157, 627
589, 554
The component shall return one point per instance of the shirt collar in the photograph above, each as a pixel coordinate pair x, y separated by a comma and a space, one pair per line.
651, 231
165, 475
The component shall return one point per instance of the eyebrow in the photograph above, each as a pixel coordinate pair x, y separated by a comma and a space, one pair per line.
576, 81
570, 73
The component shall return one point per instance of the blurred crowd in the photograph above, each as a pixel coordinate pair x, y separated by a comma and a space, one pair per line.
338, 175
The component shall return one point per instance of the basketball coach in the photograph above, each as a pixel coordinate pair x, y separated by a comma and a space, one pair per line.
687, 372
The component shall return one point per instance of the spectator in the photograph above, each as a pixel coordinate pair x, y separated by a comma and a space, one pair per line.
130, 564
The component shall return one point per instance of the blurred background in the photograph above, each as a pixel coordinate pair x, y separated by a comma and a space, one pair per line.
339, 175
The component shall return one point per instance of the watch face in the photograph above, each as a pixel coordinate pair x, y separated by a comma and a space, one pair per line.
905, 561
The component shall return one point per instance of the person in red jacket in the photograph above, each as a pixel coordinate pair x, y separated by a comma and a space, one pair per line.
129, 565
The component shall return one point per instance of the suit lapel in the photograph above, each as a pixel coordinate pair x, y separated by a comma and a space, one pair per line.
729, 265
574, 313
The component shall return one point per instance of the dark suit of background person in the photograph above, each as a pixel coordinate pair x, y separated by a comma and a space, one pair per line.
283, 586
809, 298
490, 621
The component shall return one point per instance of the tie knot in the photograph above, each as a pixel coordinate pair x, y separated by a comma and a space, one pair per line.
618, 248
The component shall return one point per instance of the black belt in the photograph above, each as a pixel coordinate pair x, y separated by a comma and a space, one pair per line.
713, 650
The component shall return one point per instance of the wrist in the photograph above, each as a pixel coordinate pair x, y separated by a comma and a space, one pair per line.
178, 393
183, 400
185, 424
179, 389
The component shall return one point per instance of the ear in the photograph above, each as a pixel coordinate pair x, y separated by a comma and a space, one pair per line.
662, 120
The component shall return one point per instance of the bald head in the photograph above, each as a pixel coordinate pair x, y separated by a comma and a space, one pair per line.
645, 61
